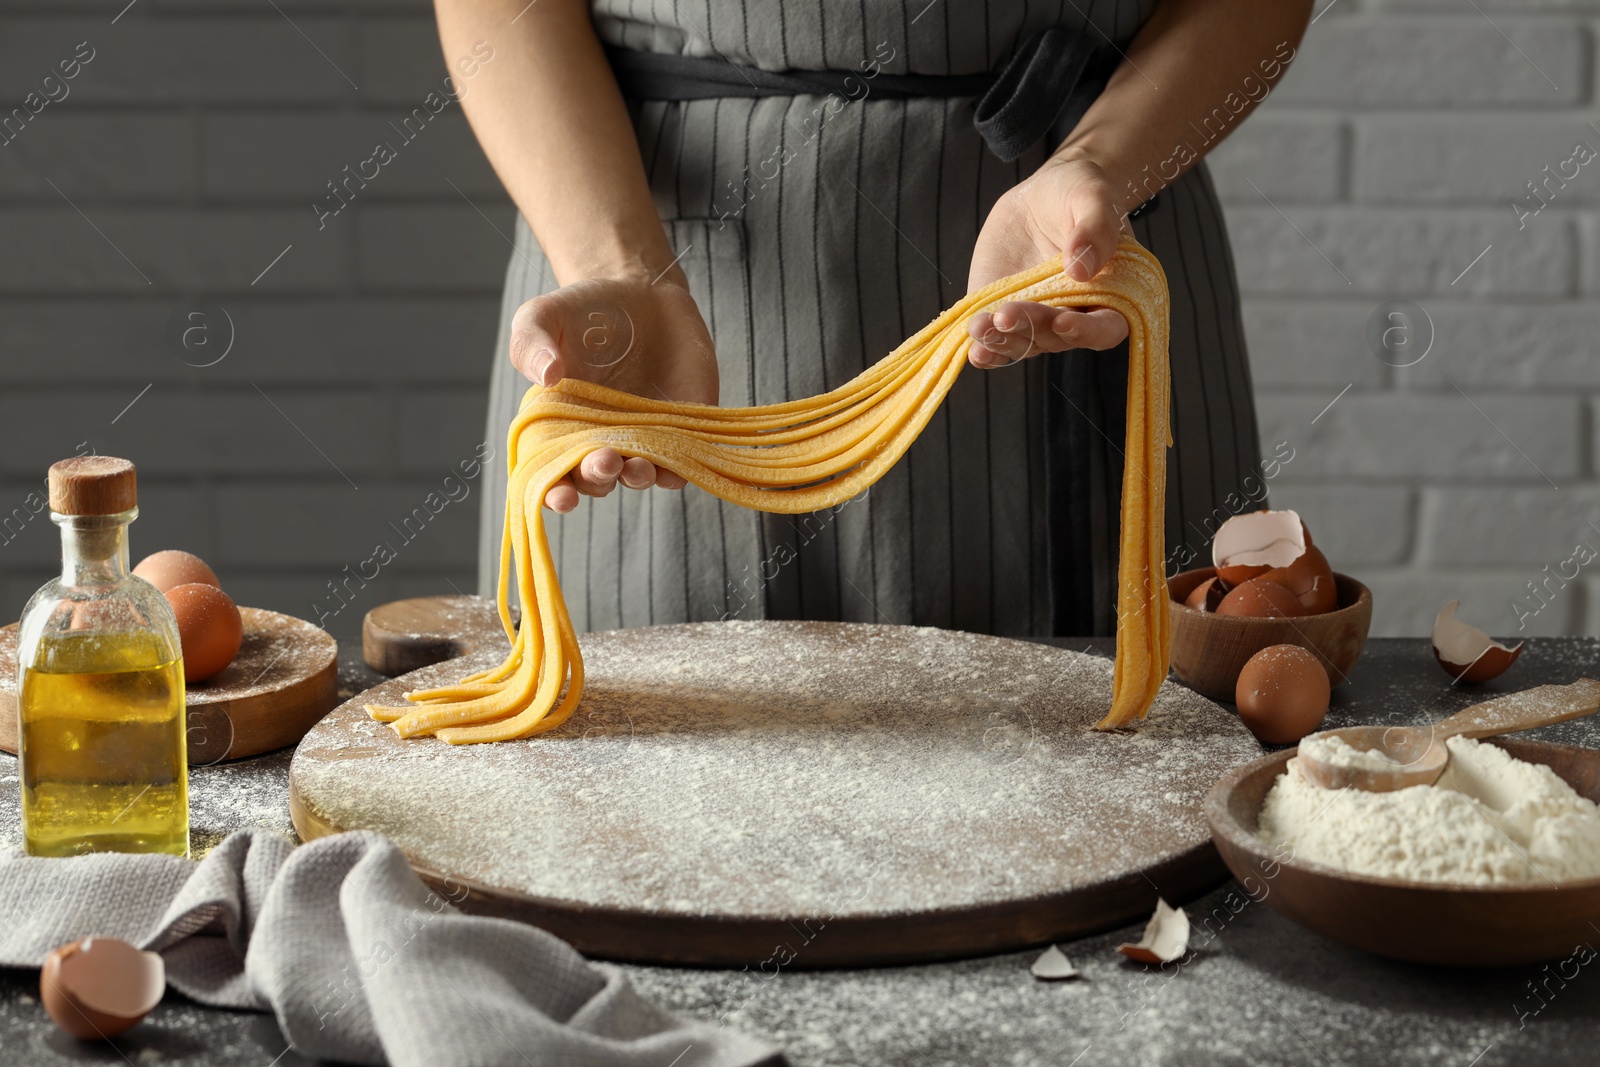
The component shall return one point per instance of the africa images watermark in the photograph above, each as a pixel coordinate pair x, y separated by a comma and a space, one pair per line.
1542, 591
749, 586
350, 984
52, 90
340, 191
1543, 191
748, 984
343, 591
854, 88
32, 505
1582, 955
1214, 125
1251, 494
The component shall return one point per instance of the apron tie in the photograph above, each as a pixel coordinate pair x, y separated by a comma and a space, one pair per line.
1042, 89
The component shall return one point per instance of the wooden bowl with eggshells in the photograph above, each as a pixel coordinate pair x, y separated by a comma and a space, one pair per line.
1209, 650
1421, 922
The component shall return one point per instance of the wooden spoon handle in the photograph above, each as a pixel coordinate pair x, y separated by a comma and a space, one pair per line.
1539, 706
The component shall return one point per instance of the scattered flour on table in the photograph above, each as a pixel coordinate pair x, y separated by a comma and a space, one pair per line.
1491, 819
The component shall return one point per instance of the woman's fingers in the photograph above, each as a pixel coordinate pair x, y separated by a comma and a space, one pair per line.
1097, 328
637, 473
562, 497
1018, 329
536, 331
1096, 223
599, 474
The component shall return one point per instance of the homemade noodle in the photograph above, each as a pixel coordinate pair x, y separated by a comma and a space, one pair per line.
798, 457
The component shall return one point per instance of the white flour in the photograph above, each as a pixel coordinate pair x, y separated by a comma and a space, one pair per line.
1337, 752
1490, 820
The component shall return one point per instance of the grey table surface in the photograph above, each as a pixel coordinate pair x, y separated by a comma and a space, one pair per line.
1258, 990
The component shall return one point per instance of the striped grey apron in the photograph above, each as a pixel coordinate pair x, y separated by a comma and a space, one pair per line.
817, 233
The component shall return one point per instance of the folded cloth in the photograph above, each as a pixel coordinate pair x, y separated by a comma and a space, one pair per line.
357, 958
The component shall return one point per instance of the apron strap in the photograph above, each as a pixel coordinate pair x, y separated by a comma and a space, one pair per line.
1046, 85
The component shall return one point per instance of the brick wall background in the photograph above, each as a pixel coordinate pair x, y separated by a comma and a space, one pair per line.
176, 175
1381, 169
182, 162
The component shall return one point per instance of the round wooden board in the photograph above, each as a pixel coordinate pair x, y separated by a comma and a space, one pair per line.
405, 635
284, 679
782, 794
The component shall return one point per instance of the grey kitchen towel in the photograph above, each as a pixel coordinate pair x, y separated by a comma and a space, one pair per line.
357, 958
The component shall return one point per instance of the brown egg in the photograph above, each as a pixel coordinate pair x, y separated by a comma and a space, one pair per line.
1282, 694
209, 626
172, 568
1310, 579
99, 986
1261, 598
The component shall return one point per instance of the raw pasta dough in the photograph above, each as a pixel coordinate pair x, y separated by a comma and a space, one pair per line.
799, 457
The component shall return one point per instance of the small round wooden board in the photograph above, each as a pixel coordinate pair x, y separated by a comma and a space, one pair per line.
405, 635
284, 679
780, 794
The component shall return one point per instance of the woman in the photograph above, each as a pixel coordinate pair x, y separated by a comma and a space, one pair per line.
789, 192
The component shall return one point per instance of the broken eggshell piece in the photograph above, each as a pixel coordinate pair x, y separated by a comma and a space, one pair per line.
99, 987
1207, 595
1310, 579
1053, 966
1249, 545
1467, 653
1166, 936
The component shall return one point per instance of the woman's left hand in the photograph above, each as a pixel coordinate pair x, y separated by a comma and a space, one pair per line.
1068, 208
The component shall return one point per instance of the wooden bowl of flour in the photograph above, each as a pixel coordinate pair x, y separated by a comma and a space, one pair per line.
1421, 922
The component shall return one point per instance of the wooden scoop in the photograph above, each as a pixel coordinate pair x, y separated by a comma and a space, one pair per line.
1420, 752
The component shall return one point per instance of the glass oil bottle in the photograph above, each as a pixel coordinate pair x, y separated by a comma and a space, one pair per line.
103, 762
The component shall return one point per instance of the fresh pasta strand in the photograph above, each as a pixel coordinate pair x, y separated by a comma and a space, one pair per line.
802, 456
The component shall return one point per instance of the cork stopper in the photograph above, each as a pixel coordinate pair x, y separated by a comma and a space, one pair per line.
92, 485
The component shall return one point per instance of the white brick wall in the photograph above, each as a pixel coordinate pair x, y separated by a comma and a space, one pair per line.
1395, 146
201, 132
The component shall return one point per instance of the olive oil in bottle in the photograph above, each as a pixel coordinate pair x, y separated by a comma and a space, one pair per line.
101, 697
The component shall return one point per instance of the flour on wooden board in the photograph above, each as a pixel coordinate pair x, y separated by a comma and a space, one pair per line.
753, 768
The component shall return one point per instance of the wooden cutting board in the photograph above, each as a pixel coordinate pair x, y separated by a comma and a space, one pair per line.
776, 794
403, 635
284, 679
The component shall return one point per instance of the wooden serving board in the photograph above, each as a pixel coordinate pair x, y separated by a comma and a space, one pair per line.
775, 794
284, 679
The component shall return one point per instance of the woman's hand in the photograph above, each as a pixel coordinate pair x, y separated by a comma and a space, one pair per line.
629, 333
1068, 208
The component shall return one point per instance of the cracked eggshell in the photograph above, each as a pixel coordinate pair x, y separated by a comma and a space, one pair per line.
1467, 653
1053, 966
1207, 595
99, 987
1166, 936
1249, 545
1310, 579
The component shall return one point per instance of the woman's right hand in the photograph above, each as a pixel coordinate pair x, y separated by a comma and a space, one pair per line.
630, 333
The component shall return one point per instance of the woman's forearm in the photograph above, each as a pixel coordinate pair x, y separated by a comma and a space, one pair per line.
550, 118
1191, 75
